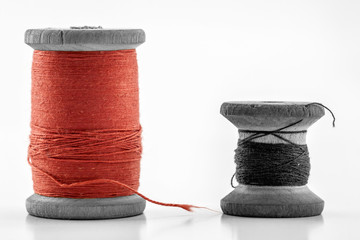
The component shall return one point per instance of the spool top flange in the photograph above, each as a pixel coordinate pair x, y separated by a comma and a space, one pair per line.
269, 116
84, 39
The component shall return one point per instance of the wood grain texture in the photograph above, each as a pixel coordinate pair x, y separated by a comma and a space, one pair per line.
95, 208
84, 39
267, 116
272, 201
297, 138
279, 202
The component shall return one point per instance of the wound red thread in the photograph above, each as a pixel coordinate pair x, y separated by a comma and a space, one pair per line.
85, 139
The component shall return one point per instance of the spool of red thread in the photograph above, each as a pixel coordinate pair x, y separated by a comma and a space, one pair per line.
85, 123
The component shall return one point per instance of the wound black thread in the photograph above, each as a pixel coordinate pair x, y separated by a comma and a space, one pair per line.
265, 164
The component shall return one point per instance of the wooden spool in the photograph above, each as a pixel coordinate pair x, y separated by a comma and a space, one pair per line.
84, 39
272, 201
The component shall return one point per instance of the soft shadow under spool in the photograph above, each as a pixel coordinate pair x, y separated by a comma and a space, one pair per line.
87, 39
272, 201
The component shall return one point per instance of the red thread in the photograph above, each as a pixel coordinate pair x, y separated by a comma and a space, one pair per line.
85, 139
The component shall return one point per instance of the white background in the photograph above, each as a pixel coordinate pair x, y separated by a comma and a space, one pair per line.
197, 55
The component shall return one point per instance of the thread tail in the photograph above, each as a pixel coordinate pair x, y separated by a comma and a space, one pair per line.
186, 207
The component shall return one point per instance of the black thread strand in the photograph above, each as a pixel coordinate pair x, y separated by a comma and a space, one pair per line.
259, 134
322, 105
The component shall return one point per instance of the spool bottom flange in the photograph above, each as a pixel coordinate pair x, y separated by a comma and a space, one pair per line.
272, 202
85, 209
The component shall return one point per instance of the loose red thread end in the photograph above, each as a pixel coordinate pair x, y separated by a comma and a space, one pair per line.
186, 207
189, 208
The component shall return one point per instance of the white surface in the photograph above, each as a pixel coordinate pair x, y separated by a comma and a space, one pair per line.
199, 54
176, 224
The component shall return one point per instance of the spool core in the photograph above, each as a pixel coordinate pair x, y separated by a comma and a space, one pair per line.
272, 201
84, 39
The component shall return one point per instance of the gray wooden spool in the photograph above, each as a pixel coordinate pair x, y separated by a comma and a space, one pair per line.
84, 39
272, 201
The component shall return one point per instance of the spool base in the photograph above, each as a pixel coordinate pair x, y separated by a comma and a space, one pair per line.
90, 208
269, 201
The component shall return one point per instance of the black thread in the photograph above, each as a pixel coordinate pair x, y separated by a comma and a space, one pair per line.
322, 105
265, 164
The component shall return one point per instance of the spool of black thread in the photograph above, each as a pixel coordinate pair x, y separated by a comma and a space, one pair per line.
272, 159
